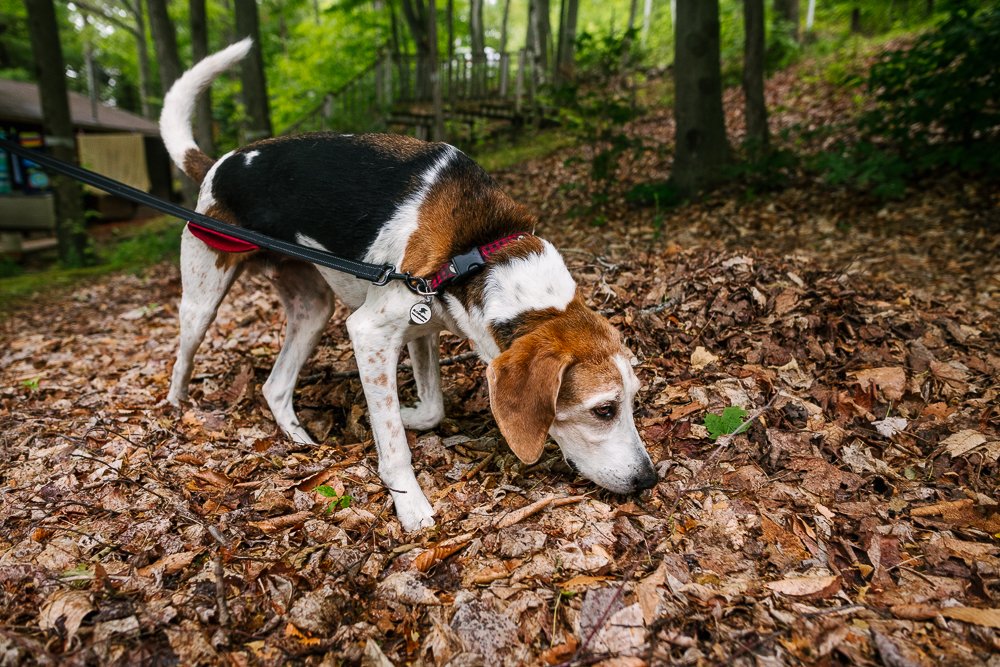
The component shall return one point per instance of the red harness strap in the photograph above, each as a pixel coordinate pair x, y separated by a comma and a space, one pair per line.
220, 241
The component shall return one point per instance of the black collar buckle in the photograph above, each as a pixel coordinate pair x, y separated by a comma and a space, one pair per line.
466, 263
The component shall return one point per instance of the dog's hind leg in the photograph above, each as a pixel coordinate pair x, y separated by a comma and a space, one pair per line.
425, 360
204, 284
308, 305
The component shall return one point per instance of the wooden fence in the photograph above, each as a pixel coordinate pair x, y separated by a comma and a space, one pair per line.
397, 89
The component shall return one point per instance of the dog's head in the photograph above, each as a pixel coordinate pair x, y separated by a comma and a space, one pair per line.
570, 376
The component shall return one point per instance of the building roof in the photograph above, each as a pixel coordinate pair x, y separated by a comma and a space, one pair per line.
19, 102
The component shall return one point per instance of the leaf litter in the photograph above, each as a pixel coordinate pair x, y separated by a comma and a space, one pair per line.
853, 520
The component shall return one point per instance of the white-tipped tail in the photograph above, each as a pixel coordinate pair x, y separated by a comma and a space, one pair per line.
178, 105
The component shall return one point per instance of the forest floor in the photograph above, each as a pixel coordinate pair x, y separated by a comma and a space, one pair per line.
855, 522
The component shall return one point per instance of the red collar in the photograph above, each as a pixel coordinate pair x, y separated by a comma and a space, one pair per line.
460, 266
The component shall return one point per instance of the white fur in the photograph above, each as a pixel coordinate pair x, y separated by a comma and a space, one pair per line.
390, 244
249, 156
608, 453
538, 281
178, 105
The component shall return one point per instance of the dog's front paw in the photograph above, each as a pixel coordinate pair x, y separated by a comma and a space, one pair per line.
422, 417
414, 514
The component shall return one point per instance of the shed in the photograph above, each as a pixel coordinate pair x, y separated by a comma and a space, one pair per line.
111, 141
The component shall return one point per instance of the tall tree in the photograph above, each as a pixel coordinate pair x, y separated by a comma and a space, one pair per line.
164, 43
50, 70
136, 28
753, 74
788, 11
252, 72
199, 49
477, 41
539, 35
437, 133
566, 46
415, 13
701, 146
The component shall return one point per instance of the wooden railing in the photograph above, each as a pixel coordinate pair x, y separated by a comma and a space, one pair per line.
400, 82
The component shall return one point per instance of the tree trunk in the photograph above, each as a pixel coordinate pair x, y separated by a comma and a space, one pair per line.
810, 15
142, 49
788, 11
450, 20
50, 71
252, 72
477, 41
164, 42
435, 77
540, 30
753, 75
566, 49
199, 49
701, 145
647, 17
415, 13
856, 20
503, 26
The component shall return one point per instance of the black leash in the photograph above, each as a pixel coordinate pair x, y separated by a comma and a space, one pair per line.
378, 274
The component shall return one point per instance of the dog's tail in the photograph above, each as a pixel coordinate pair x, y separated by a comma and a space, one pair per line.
178, 107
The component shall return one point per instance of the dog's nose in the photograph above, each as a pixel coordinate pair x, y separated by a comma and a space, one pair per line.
646, 479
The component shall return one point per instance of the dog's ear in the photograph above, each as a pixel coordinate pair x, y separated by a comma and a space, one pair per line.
524, 384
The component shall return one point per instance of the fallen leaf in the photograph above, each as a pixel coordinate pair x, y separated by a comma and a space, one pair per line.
64, 611
963, 442
280, 523
891, 380
701, 358
989, 618
813, 588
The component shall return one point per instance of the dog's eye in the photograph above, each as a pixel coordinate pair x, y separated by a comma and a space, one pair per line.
605, 412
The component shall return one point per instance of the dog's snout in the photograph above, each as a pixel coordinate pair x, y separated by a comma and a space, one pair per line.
646, 479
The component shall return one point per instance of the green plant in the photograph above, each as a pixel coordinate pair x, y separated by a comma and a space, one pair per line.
337, 501
729, 422
31, 384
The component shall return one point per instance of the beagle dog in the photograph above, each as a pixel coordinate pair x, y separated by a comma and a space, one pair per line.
554, 365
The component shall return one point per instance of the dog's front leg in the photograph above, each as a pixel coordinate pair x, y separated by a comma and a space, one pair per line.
378, 338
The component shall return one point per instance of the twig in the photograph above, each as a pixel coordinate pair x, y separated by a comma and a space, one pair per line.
601, 621
220, 597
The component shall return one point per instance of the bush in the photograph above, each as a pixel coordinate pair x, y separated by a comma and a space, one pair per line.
938, 102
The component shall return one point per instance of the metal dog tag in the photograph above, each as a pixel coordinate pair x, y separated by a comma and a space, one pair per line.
420, 312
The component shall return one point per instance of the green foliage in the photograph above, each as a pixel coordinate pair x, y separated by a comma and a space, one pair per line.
936, 105
9, 268
31, 384
337, 502
153, 244
867, 167
730, 421
943, 90
599, 100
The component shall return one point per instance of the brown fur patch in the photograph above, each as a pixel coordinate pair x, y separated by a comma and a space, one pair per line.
197, 164
460, 213
560, 356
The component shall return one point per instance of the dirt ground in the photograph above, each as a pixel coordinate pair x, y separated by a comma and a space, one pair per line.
856, 521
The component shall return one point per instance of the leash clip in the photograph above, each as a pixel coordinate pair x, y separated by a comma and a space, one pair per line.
416, 284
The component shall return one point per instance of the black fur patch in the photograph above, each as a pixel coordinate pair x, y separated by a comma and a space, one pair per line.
339, 190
